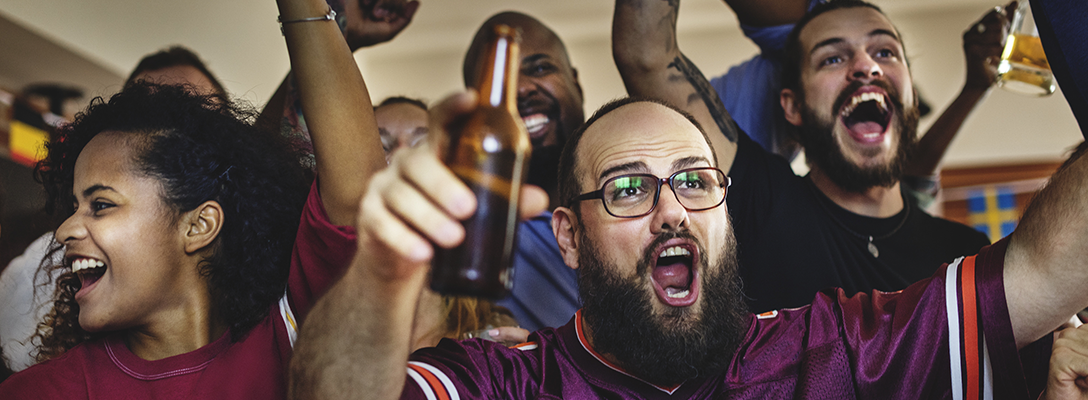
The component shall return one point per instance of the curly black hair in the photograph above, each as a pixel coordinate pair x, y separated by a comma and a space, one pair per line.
199, 148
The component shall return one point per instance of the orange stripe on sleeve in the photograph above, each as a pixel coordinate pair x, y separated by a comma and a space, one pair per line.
970, 329
436, 385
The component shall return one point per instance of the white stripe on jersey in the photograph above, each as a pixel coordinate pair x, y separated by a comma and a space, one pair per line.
288, 319
951, 301
452, 390
955, 342
422, 383
988, 373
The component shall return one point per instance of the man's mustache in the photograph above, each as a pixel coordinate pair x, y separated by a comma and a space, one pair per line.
848, 93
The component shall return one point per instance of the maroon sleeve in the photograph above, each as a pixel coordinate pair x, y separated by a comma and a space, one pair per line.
898, 344
455, 366
322, 252
1023, 373
480, 369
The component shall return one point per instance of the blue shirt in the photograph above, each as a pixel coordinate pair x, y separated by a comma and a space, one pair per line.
750, 90
545, 293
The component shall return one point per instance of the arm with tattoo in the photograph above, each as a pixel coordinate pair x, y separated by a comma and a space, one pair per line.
703, 93
645, 50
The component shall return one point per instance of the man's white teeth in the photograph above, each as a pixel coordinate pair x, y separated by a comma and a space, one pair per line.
679, 295
861, 98
86, 263
535, 122
674, 251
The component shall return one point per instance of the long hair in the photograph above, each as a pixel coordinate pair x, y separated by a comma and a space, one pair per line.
468, 314
199, 148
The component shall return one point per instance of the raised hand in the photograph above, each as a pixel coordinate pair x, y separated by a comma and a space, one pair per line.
983, 43
417, 202
371, 22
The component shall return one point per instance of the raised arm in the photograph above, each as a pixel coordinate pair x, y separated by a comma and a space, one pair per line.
356, 340
762, 13
982, 51
365, 25
1046, 265
340, 118
645, 50
339, 115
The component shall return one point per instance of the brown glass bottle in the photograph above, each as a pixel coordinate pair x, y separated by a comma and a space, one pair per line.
491, 155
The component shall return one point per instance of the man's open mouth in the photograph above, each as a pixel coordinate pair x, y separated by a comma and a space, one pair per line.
536, 124
866, 116
675, 274
88, 270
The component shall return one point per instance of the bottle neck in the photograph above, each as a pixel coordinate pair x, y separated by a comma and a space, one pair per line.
499, 84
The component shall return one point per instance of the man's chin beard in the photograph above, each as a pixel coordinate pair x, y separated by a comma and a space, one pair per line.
670, 348
824, 152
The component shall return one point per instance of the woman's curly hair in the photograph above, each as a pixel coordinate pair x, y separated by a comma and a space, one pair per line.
199, 148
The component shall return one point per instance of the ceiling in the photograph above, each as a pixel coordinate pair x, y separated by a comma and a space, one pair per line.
93, 44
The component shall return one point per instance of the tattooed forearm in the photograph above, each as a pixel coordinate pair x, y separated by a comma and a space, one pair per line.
668, 24
707, 94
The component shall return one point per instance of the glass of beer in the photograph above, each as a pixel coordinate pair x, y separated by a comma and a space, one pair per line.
1023, 68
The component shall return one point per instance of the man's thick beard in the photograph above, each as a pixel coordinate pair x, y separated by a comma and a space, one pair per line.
664, 349
822, 150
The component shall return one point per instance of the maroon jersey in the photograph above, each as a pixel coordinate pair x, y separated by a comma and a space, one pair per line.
253, 368
947, 334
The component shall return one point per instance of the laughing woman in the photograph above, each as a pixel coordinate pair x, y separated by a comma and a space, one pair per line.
188, 266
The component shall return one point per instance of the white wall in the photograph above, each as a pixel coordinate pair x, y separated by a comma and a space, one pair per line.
1005, 128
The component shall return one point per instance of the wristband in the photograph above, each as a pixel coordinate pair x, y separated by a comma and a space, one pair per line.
330, 16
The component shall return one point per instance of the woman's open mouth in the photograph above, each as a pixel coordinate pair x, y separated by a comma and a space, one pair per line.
89, 271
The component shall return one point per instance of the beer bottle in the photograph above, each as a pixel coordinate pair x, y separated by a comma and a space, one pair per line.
491, 155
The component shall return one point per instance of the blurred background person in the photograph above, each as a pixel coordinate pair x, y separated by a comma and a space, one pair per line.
177, 65
56, 103
402, 122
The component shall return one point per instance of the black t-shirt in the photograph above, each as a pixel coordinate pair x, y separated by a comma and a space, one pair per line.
794, 241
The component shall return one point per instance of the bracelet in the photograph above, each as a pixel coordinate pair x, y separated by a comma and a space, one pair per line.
330, 16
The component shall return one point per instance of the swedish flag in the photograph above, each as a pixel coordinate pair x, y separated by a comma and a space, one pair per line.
993, 211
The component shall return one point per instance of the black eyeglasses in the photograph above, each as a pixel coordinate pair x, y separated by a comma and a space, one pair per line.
628, 196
